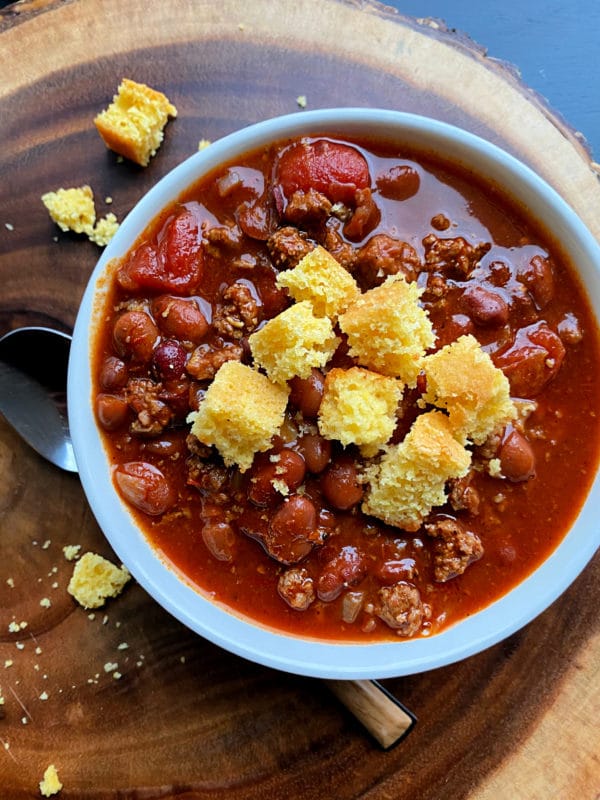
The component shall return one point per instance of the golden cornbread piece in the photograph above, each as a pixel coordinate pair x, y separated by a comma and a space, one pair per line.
462, 379
411, 477
133, 123
240, 413
293, 342
321, 280
104, 230
72, 209
359, 407
50, 783
388, 331
95, 579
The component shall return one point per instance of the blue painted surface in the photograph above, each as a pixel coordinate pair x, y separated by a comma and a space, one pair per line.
555, 44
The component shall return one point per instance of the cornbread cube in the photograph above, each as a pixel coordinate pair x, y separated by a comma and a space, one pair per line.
321, 280
72, 209
293, 342
95, 579
410, 479
240, 413
462, 379
133, 123
388, 331
359, 407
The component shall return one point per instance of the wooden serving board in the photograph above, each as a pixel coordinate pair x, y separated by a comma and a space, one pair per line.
187, 719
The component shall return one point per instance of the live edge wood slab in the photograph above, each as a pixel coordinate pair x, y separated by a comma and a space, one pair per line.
187, 719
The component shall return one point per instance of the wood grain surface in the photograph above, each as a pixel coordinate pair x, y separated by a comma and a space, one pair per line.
186, 719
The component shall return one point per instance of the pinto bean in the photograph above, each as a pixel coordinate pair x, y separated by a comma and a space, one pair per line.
113, 374
306, 393
135, 336
340, 485
111, 411
316, 451
292, 530
347, 568
180, 318
145, 487
288, 468
517, 458
219, 538
399, 182
485, 307
533, 359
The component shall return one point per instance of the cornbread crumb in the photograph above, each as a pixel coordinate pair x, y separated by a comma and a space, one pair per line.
240, 413
45, 602
11, 582
71, 551
72, 209
462, 379
95, 579
359, 407
293, 342
104, 230
204, 143
44, 696
301, 101
410, 479
321, 280
50, 784
133, 123
388, 331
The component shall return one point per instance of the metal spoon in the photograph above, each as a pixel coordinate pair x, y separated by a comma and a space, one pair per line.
33, 379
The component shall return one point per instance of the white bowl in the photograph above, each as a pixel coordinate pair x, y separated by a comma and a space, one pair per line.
246, 637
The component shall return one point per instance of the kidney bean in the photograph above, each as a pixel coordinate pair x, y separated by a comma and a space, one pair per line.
180, 318
485, 307
145, 487
306, 393
339, 484
292, 530
399, 182
539, 280
219, 538
111, 411
135, 336
113, 374
169, 359
288, 468
398, 569
532, 360
167, 448
517, 458
316, 451
347, 568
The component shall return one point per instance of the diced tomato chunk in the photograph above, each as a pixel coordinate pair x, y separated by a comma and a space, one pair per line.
336, 170
174, 263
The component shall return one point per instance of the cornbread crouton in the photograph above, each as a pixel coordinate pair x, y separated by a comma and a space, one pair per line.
72, 209
293, 342
359, 407
240, 413
95, 579
133, 123
50, 783
387, 329
321, 280
462, 379
410, 479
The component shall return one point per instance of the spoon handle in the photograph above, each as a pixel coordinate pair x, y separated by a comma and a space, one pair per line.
382, 714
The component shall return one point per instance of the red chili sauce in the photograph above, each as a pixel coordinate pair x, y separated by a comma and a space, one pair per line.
202, 278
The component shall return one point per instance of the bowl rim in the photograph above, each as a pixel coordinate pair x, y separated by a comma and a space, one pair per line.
244, 636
